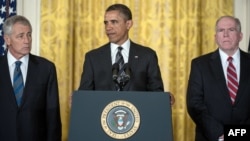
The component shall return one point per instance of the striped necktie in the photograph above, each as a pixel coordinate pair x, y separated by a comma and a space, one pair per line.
232, 81
119, 58
18, 82
120, 61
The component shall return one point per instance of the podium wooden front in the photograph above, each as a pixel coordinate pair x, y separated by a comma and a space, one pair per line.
153, 107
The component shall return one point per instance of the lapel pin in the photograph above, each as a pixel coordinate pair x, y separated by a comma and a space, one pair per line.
136, 57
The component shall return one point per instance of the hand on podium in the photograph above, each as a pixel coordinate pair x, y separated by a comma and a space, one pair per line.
172, 99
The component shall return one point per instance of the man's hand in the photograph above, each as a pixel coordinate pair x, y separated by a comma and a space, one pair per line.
172, 99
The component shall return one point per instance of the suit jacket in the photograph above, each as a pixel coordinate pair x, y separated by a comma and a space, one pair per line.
145, 73
38, 117
208, 100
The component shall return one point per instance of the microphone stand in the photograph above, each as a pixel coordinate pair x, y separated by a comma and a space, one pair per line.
123, 78
124, 81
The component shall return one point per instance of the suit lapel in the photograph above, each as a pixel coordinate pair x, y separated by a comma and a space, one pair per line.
7, 85
133, 56
106, 55
244, 75
133, 61
217, 69
106, 60
31, 74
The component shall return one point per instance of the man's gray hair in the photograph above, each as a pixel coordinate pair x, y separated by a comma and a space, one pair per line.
9, 22
237, 21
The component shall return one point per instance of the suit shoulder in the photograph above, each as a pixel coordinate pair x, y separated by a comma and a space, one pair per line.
204, 58
1, 57
41, 60
142, 48
245, 54
98, 50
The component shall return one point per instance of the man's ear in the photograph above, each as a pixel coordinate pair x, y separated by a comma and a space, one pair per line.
7, 39
129, 24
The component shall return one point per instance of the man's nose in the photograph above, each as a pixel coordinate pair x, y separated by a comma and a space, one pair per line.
225, 33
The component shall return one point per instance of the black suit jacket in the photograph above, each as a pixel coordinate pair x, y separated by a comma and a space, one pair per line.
208, 100
143, 62
38, 117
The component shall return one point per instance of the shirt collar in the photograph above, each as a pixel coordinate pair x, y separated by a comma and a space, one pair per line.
224, 56
11, 59
125, 46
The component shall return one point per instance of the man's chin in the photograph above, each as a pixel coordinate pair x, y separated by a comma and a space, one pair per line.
25, 51
112, 41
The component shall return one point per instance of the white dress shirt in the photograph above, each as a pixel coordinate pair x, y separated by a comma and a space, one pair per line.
235, 61
24, 66
125, 51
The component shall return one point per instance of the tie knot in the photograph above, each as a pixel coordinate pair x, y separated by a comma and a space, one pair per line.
120, 49
18, 64
229, 59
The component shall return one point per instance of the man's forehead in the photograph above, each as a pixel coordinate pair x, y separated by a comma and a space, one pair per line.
227, 20
226, 23
114, 14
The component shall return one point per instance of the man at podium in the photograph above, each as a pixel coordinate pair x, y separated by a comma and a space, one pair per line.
121, 64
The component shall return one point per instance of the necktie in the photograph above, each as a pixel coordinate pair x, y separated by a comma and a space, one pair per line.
232, 81
120, 61
119, 58
18, 83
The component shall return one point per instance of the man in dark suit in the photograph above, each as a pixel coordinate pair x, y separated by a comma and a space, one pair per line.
31, 111
143, 69
218, 89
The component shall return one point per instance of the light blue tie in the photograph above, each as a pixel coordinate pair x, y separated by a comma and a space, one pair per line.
18, 83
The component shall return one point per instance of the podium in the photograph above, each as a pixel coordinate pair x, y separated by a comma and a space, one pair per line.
124, 115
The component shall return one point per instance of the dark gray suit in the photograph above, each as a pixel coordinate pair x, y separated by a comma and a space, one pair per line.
145, 72
208, 100
38, 117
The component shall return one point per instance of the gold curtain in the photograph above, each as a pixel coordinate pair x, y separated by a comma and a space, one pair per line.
178, 30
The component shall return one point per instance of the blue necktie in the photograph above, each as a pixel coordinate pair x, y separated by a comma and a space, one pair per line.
18, 83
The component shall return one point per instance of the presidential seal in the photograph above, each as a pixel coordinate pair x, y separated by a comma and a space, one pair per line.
120, 119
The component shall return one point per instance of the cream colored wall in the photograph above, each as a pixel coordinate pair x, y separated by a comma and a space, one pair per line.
241, 11
31, 10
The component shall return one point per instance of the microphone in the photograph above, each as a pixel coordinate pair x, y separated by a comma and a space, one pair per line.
121, 79
115, 69
127, 71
